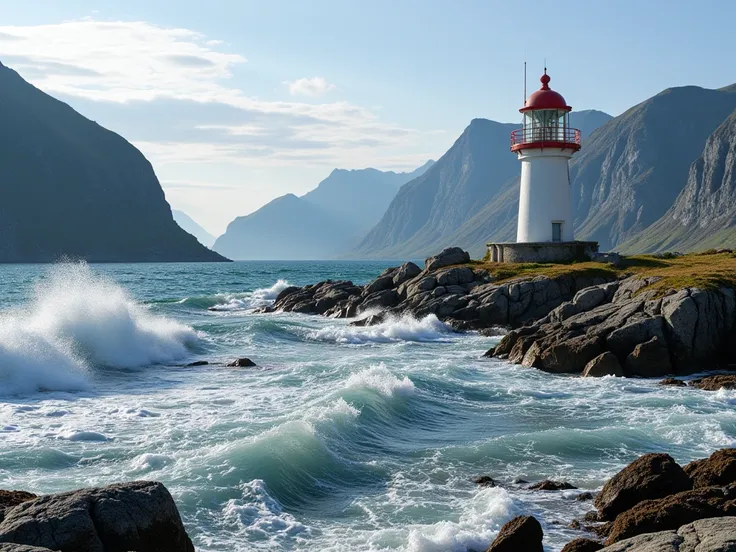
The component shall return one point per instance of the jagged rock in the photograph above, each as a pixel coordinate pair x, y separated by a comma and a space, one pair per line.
605, 364
458, 275
128, 516
703, 535
673, 382
380, 299
405, 272
622, 341
582, 545
485, 481
285, 293
449, 256
681, 316
673, 511
582, 497
714, 383
242, 363
379, 284
521, 533
549, 485
8, 499
569, 356
12, 547
718, 469
416, 286
649, 360
589, 298
651, 476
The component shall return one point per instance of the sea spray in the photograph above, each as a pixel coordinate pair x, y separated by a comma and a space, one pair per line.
393, 329
249, 300
78, 320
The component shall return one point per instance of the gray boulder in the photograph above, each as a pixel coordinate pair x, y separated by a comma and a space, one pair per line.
605, 364
447, 257
137, 516
704, 535
405, 272
650, 359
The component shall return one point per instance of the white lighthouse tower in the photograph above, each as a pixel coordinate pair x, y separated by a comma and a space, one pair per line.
544, 145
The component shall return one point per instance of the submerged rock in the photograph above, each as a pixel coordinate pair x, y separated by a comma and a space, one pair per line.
129, 516
673, 382
521, 533
549, 485
651, 476
485, 481
242, 363
198, 363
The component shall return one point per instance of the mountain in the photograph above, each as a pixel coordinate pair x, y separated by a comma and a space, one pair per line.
319, 225
632, 169
361, 196
704, 213
288, 228
189, 225
70, 188
468, 197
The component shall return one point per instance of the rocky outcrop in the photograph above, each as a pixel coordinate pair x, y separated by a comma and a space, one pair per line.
521, 533
8, 499
11, 547
649, 332
718, 469
673, 511
714, 383
704, 535
648, 477
129, 516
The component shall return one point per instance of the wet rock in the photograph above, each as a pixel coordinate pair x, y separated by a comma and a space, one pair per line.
673, 382
582, 497
718, 469
714, 383
521, 533
128, 516
549, 485
569, 356
380, 300
651, 476
605, 364
8, 499
649, 360
449, 256
705, 535
199, 363
582, 545
242, 363
285, 293
674, 511
371, 320
485, 481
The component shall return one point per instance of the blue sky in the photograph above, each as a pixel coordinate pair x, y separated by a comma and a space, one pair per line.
236, 102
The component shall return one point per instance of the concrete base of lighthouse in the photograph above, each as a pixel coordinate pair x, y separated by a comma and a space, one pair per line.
542, 252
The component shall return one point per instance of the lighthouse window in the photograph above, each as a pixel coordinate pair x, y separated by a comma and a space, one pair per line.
556, 231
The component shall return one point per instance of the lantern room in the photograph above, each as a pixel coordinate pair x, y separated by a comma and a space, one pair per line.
546, 121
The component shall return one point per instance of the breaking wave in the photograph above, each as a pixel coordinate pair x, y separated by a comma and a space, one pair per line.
393, 329
248, 301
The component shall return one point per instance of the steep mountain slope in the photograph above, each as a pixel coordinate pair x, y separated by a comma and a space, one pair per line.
361, 196
704, 214
468, 197
70, 188
329, 219
188, 224
630, 171
288, 228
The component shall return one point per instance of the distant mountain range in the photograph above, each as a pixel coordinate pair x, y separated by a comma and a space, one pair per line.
319, 225
188, 224
70, 188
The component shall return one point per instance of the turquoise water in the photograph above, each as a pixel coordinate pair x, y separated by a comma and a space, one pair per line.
342, 438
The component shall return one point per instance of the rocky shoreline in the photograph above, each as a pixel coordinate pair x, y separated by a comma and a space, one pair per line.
593, 324
652, 505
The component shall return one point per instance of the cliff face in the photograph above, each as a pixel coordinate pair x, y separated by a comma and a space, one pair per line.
70, 188
704, 214
631, 171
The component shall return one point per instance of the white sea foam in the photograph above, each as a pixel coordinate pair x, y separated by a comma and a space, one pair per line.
78, 319
248, 301
259, 517
394, 329
150, 462
382, 380
76, 435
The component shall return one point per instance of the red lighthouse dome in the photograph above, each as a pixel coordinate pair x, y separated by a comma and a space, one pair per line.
545, 98
546, 122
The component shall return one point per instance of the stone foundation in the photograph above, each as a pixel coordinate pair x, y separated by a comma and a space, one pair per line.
541, 252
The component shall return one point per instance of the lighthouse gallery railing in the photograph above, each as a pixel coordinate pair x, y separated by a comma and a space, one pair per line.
558, 135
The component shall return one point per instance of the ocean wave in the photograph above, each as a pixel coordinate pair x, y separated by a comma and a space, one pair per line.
394, 329
379, 378
77, 320
250, 300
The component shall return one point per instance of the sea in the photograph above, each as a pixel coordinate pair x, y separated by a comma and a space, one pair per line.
342, 438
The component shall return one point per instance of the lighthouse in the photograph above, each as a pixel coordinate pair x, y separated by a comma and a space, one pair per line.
544, 145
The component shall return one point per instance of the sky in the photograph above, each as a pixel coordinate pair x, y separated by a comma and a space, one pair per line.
237, 102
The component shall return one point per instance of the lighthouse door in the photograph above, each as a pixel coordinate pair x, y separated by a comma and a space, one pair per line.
556, 231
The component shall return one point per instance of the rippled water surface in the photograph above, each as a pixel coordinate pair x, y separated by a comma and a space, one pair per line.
343, 438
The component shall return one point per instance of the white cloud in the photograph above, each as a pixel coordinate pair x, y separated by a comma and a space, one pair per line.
314, 87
